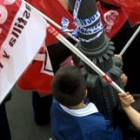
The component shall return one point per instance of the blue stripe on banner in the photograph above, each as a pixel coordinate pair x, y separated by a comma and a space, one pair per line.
93, 38
76, 8
88, 21
91, 30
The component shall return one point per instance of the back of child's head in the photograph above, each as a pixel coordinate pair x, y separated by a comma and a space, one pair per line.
68, 86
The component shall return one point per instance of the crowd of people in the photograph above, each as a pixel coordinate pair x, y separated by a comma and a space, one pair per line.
78, 118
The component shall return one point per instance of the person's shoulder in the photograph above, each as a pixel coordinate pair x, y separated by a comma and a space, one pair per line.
55, 103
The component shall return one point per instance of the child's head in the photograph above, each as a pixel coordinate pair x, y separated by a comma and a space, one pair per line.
68, 86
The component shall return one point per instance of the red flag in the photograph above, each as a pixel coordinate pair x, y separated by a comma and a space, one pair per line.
39, 74
22, 33
54, 10
36, 77
112, 19
131, 7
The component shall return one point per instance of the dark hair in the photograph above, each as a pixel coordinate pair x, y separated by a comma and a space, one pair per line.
68, 86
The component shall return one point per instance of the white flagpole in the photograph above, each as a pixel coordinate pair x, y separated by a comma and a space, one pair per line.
130, 41
63, 40
52, 22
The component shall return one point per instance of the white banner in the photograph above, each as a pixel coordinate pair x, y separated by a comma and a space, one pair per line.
24, 39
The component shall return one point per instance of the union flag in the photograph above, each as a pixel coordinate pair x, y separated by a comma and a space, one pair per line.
131, 7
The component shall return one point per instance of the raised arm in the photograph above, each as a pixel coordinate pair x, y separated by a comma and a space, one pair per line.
133, 114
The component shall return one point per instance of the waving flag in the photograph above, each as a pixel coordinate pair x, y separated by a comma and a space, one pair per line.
132, 8
113, 19
37, 77
22, 33
54, 10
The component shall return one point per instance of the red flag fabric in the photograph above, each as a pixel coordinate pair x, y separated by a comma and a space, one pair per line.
39, 74
5, 19
112, 19
19, 24
54, 10
36, 77
131, 7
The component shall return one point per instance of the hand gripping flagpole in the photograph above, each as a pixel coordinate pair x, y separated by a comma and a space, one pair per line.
52, 22
69, 45
130, 41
